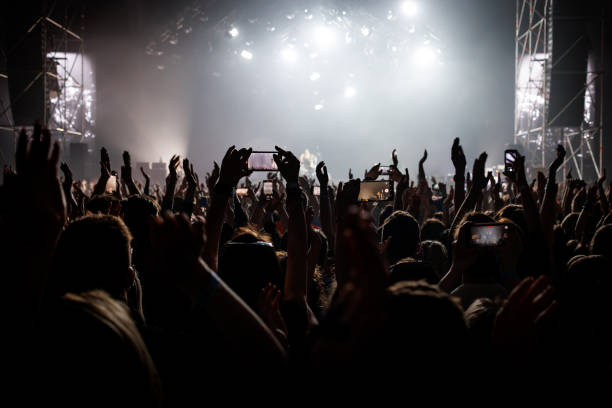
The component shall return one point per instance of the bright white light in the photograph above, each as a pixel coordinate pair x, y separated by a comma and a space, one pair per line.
233, 32
314, 76
425, 56
349, 92
318, 107
410, 8
365, 31
324, 37
289, 54
247, 55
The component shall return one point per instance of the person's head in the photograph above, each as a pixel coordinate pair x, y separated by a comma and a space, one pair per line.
601, 244
384, 214
101, 204
432, 230
403, 229
409, 269
515, 213
92, 253
423, 326
247, 263
480, 317
435, 255
569, 224
137, 210
92, 353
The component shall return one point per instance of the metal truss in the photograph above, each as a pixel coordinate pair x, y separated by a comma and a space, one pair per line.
534, 130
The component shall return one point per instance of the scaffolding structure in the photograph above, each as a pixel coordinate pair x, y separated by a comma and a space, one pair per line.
62, 74
535, 129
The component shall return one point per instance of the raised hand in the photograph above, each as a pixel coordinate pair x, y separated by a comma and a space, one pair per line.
347, 195
479, 181
457, 157
211, 178
288, 165
602, 179
190, 174
350, 175
373, 173
67, 175
322, 175
424, 158
40, 192
105, 167
172, 167
147, 181
268, 308
394, 158
530, 303
234, 166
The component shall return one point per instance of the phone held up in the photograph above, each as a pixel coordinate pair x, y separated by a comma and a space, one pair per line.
488, 235
262, 161
510, 157
381, 190
268, 189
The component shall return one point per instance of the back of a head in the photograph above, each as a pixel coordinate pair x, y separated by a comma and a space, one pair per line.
424, 327
137, 210
435, 255
569, 224
247, 264
91, 353
601, 244
480, 318
409, 269
515, 213
403, 229
432, 230
93, 252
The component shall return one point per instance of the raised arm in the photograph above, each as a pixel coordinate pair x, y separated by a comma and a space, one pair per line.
105, 173
192, 184
473, 196
171, 179
233, 168
147, 181
325, 203
459, 162
126, 174
422, 177
297, 236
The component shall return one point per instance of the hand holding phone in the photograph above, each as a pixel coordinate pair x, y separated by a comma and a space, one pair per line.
510, 157
262, 161
268, 189
488, 234
370, 190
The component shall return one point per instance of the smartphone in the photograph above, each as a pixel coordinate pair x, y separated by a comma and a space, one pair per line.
242, 192
203, 202
510, 157
386, 170
268, 189
488, 235
381, 190
262, 161
316, 190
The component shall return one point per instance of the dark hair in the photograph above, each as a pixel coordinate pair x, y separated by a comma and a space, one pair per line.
409, 269
403, 229
92, 353
92, 253
432, 230
601, 244
100, 204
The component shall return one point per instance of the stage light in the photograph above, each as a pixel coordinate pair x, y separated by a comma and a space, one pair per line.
324, 37
349, 92
314, 76
365, 31
410, 8
425, 56
289, 54
318, 107
233, 32
247, 55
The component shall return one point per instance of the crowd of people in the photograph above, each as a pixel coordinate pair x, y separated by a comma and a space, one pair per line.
167, 296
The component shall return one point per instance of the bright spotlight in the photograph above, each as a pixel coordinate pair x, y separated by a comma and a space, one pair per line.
247, 55
324, 37
314, 76
365, 31
425, 56
289, 54
233, 32
410, 8
318, 107
349, 92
